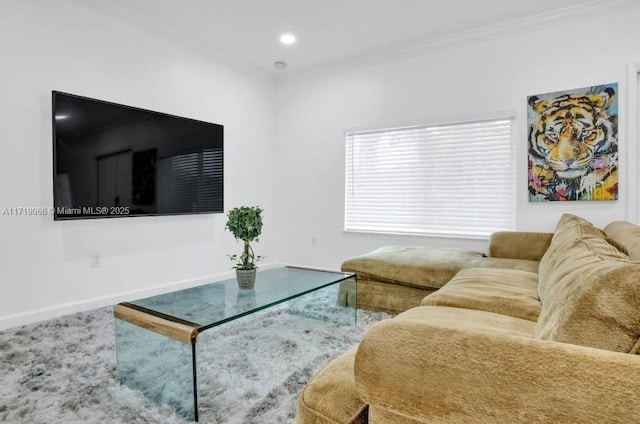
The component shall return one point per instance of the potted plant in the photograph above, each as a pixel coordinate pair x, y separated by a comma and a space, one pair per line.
245, 223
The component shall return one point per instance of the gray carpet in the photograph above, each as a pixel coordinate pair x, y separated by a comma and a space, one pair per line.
250, 370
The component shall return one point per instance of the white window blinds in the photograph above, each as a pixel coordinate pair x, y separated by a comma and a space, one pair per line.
452, 179
189, 181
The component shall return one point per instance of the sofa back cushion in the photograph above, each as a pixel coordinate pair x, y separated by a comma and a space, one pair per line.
592, 296
569, 225
626, 236
568, 228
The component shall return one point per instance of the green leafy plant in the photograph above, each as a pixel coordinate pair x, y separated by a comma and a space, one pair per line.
245, 223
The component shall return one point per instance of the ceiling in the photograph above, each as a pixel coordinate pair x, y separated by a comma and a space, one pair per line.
332, 32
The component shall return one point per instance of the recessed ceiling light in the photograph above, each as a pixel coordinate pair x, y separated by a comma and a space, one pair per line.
287, 38
61, 117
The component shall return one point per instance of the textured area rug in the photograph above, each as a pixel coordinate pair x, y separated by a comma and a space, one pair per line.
250, 370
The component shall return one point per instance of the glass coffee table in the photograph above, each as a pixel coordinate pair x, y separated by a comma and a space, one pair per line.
156, 336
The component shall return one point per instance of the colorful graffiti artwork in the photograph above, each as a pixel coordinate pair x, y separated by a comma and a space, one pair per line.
573, 144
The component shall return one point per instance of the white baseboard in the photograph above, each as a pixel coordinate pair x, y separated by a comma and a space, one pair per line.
56, 311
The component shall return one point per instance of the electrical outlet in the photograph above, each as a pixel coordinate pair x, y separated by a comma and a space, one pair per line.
314, 241
95, 260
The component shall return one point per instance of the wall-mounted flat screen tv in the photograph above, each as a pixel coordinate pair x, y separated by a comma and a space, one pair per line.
111, 160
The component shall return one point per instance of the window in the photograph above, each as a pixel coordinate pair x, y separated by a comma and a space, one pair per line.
450, 179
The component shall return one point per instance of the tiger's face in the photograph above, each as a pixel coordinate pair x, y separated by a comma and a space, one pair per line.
571, 132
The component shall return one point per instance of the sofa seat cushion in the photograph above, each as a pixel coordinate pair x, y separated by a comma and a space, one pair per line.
503, 291
330, 397
451, 373
414, 266
592, 297
469, 319
505, 263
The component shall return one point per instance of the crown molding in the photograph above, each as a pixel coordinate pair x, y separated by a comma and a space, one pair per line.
115, 10
465, 38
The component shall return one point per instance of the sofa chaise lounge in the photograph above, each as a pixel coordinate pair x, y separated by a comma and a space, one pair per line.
554, 343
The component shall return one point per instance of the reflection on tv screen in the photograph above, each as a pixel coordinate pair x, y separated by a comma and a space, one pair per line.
113, 160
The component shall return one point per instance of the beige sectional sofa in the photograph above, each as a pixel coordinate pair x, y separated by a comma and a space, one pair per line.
395, 278
552, 343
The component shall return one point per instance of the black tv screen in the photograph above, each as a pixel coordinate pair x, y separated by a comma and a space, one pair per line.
111, 160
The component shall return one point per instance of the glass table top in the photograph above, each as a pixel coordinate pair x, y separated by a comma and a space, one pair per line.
212, 304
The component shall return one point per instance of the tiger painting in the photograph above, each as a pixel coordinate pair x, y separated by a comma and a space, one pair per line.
573, 145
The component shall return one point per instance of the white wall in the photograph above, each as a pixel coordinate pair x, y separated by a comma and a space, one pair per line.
477, 79
284, 146
60, 45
